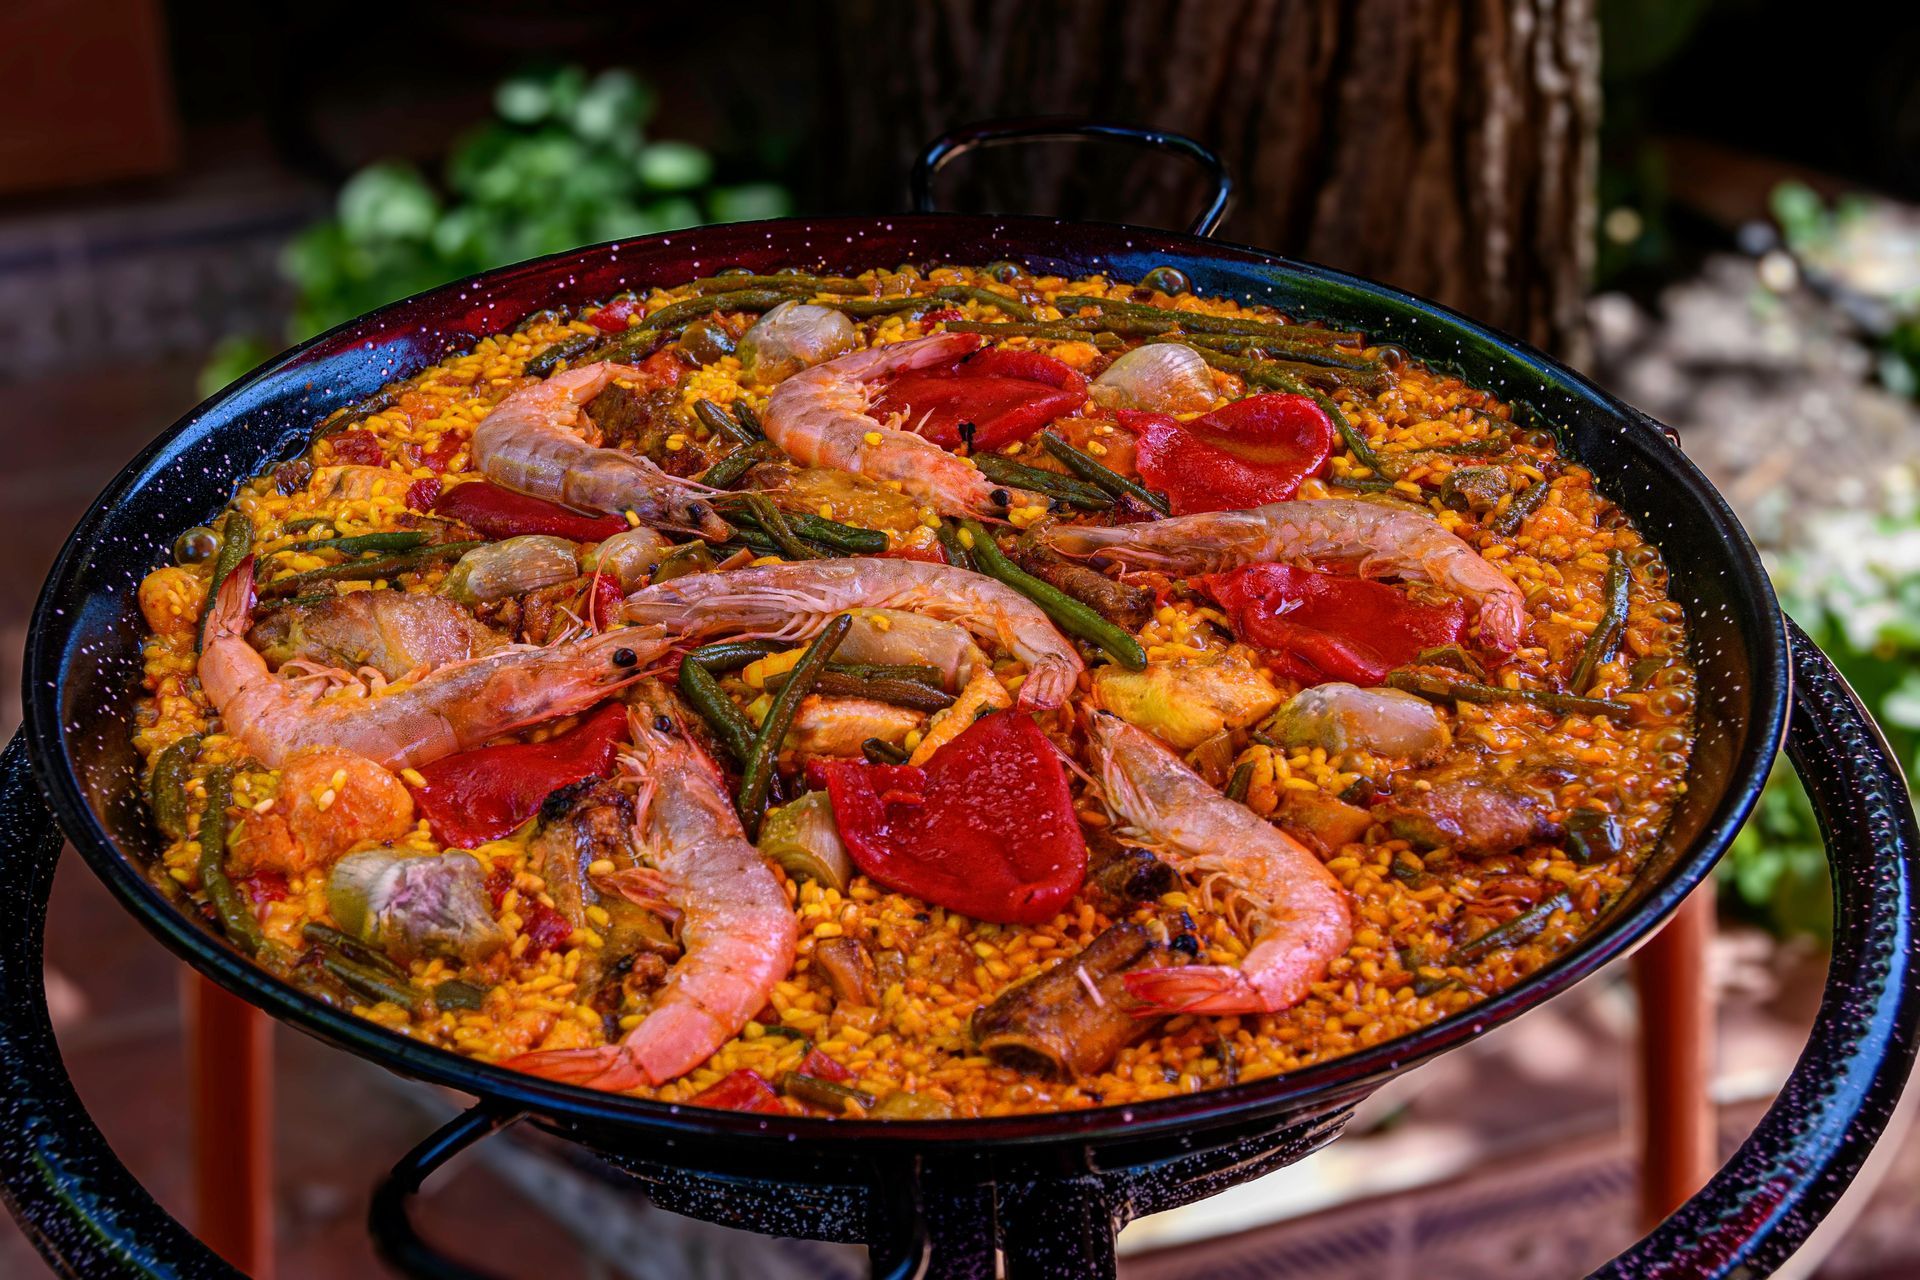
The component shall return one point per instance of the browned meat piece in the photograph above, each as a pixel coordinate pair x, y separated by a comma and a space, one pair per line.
1117, 602
641, 422
394, 631
849, 970
579, 825
1070, 1020
543, 611
1468, 815
1120, 875
1320, 820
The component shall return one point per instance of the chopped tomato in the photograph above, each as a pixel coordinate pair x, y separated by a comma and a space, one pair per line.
1250, 452
991, 398
544, 929
438, 458
613, 317
985, 828
821, 1067
422, 494
265, 885
742, 1090
1331, 626
502, 513
480, 795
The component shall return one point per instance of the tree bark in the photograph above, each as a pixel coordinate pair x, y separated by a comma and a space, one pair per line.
1445, 147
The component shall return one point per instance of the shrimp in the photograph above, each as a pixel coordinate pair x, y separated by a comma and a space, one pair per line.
1288, 905
453, 708
1381, 541
793, 601
819, 417
531, 443
737, 930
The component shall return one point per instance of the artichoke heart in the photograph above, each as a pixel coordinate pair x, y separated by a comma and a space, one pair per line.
415, 905
1184, 705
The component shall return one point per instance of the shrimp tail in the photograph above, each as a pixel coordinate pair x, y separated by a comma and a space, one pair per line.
609, 1067
1200, 988
233, 604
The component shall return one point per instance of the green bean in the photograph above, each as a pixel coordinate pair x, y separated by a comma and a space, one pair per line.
236, 544
1485, 447
816, 284
729, 470
1299, 355
754, 299
630, 346
1076, 493
369, 570
455, 994
757, 771
1069, 614
720, 422
359, 411
301, 523
823, 1093
1240, 781
1452, 655
731, 655
748, 418
729, 724
862, 308
1606, 636
167, 786
1198, 322
1440, 689
1102, 477
1365, 485
880, 751
1520, 929
911, 694
786, 1032
1593, 835
1101, 337
974, 293
360, 543
950, 543
371, 985
932, 677
1523, 504
772, 523
847, 537
351, 948
558, 315
236, 916
567, 349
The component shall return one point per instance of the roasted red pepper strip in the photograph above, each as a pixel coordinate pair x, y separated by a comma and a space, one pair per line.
986, 828
742, 1090
1006, 395
613, 317
821, 1067
1329, 626
1250, 452
604, 600
501, 513
481, 795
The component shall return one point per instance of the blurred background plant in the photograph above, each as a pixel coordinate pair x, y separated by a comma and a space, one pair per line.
566, 161
1853, 581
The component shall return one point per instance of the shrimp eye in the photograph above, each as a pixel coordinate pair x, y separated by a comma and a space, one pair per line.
1001, 498
1186, 944
663, 724
625, 657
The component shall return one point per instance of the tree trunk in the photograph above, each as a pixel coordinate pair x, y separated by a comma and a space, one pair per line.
1447, 148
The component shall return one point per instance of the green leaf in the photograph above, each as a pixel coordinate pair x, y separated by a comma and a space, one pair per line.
749, 202
674, 166
614, 106
387, 202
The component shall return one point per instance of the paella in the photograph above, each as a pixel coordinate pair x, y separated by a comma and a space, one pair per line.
942, 691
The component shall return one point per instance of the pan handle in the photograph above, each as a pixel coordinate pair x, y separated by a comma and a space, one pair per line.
79, 1205
1785, 1177
394, 1236
997, 133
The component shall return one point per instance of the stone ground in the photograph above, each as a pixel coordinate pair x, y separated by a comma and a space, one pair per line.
1505, 1159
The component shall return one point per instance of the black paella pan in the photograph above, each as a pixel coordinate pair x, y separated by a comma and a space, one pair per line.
1040, 1194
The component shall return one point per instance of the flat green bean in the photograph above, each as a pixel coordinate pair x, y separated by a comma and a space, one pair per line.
1069, 614
1102, 477
757, 772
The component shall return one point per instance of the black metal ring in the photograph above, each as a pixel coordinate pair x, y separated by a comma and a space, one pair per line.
994, 133
1805, 1151
394, 1236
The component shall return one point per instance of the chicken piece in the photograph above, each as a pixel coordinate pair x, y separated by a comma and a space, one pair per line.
330, 802
1320, 820
1469, 815
392, 631
849, 970
1071, 1019
587, 822
837, 726
1121, 875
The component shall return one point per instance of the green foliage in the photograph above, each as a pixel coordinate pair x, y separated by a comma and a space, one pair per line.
566, 162
1855, 586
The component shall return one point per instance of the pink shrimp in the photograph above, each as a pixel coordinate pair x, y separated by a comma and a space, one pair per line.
1286, 903
1379, 540
792, 601
455, 707
531, 443
737, 930
819, 417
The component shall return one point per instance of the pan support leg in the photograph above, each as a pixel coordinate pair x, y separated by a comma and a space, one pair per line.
1675, 1127
230, 1077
